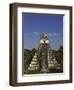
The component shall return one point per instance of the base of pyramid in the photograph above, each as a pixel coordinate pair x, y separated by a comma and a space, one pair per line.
44, 70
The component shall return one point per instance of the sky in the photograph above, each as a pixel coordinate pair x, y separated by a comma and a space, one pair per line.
34, 24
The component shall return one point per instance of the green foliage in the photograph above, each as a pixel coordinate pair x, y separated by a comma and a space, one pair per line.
59, 56
32, 71
28, 55
60, 49
53, 70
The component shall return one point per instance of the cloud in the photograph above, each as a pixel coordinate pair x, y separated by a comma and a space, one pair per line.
49, 34
53, 34
36, 33
25, 34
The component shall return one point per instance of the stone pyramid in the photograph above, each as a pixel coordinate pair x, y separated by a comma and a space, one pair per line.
34, 63
43, 59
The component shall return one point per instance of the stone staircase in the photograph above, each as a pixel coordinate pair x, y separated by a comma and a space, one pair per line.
34, 63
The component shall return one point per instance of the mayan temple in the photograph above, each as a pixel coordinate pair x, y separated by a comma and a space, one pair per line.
43, 59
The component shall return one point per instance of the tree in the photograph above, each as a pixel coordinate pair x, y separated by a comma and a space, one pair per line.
28, 55
33, 51
61, 48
